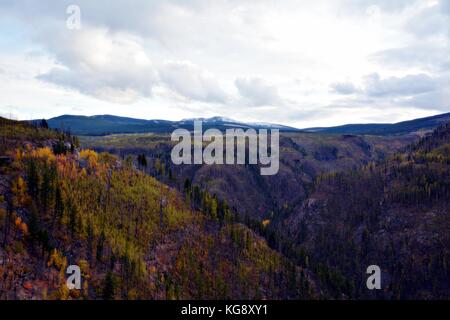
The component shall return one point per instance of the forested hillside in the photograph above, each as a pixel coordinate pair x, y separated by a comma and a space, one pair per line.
422, 124
395, 214
338, 205
132, 236
303, 157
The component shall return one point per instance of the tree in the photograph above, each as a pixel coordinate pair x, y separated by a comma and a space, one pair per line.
213, 208
33, 179
44, 124
100, 245
142, 161
33, 223
187, 185
129, 161
109, 286
72, 211
59, 205
47, 186
60, 147
44, 239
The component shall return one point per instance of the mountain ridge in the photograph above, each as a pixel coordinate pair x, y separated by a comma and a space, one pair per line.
100, 125
385, 128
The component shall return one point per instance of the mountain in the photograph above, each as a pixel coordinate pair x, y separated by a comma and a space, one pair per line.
101, 125
403, 127
108, 124
224, 123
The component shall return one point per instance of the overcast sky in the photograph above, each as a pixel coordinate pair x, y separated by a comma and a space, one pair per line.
301, 63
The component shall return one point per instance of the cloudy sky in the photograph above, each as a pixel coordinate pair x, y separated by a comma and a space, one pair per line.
302, 63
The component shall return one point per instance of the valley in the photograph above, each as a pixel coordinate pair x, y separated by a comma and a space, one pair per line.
143, 227
292, 210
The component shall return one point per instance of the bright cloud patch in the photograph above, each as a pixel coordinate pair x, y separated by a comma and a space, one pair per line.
258, 92
107, 66
191, 82
399, 86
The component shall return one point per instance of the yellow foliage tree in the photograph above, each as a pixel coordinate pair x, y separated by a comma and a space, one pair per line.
91, 156
20, 196
43, 153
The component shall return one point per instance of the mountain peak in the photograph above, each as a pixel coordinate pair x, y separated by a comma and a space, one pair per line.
212, 119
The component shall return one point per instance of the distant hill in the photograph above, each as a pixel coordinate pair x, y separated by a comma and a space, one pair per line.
101, 125
107, 124
403, 127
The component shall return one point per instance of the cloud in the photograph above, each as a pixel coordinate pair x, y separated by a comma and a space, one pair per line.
258, 92
433, 57
431, 21
105, 65
180, 58
387, 6
435, 100
438, 99
191, 82
398, 86
116, 67
445, 7
344, 88
375, 86
418, 91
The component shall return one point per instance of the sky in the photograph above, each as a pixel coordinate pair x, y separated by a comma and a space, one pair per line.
293, 62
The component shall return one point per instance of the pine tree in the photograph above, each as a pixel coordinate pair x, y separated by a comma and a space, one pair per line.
142, 161
59, 205
213, 208
47, 186
33, 179
100, 245
44, 124
72, 211
109, 286
33, 224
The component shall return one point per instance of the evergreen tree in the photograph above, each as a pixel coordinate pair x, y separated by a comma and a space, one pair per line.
44, 124
59, 204
33, 223
100, 245
33, 179
109, 286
